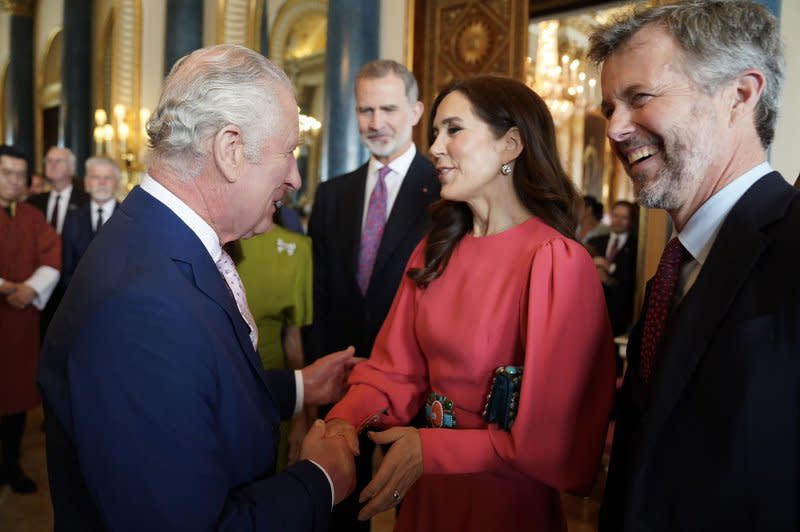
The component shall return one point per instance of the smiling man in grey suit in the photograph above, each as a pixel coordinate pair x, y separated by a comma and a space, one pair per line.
364, 226
708, 423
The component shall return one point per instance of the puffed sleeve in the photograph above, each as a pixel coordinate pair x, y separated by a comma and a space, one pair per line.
395, 377
567, 388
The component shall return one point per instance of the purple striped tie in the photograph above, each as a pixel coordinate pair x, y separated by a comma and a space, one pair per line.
373, 230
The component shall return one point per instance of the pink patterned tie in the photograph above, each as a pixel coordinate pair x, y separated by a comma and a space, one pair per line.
373, 230
227, 268
662, 291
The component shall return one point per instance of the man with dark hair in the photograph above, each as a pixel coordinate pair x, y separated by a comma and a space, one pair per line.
364, 226
708, 421
615, 257
590, 220
30, 259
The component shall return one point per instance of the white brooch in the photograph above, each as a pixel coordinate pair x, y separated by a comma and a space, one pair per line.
288, 247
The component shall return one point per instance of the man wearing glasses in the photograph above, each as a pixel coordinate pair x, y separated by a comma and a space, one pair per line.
30, 260
59, 170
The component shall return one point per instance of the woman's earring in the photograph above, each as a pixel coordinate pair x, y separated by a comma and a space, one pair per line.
506, 169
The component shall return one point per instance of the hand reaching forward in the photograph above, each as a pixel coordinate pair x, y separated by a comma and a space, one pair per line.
334, 456
400, 468
338, 428
325, 381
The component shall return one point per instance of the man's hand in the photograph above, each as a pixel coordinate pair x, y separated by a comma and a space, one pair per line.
603, 268
325, 381
22, 296
7, 288
400, 468
298, 428
333, 455
339, 428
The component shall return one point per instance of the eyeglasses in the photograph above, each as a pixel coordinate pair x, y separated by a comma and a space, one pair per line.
19, 176
54, 160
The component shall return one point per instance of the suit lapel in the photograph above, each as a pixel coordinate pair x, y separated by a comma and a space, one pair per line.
352, 213
406, 207
186, 249
738, 246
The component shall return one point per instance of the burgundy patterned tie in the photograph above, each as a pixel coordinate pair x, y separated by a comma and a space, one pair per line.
373, 230
662, 291
612, 251
227, 268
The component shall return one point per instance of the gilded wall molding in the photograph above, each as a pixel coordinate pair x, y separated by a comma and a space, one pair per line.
289, 14
126, 77
239, 22
463, 38
19, 8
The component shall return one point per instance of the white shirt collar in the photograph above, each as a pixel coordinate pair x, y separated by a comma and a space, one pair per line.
108, 207
67, 192
701, 230
399, 166
200, 227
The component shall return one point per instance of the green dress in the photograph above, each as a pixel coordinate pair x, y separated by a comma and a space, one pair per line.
277, 275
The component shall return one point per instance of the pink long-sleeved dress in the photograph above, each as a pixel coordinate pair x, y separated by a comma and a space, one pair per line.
526, 296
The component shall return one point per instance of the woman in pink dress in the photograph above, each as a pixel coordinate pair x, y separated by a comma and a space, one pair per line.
498, 282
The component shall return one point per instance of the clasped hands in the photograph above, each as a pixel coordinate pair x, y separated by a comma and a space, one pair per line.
18, 295
399, 469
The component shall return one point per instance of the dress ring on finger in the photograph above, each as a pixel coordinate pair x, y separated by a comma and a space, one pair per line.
396, 495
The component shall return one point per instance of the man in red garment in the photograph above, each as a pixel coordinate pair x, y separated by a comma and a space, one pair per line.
30, 260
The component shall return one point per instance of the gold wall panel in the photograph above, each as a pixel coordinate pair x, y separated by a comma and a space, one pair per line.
462, 38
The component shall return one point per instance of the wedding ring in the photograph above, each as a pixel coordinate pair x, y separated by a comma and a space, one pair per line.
396, 495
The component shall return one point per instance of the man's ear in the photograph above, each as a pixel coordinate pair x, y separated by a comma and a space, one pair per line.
512, 144
417, 109
228, 151
749, 86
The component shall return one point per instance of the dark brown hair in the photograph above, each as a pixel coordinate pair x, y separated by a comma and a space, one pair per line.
539, 180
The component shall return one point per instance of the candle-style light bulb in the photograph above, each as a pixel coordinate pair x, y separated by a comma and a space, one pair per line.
119, 112
100, 117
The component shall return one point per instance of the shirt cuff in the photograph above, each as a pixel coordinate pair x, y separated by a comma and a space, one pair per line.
43, 281
330, 482
300, 392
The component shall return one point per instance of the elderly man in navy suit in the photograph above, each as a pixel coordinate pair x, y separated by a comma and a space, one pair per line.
364, 226
159, 413
101, 183
708, 423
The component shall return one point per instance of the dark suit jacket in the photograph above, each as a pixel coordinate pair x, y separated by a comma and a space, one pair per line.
342, 315
159, 414
715, 443
76, 236
619, 291
77, 199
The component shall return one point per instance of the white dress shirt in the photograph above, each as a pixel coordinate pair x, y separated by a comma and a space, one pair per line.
394, 179
700, 232
107, 208
63, 206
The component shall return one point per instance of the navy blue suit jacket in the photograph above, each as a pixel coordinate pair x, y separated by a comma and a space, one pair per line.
159, 414
714, 442
76, 235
